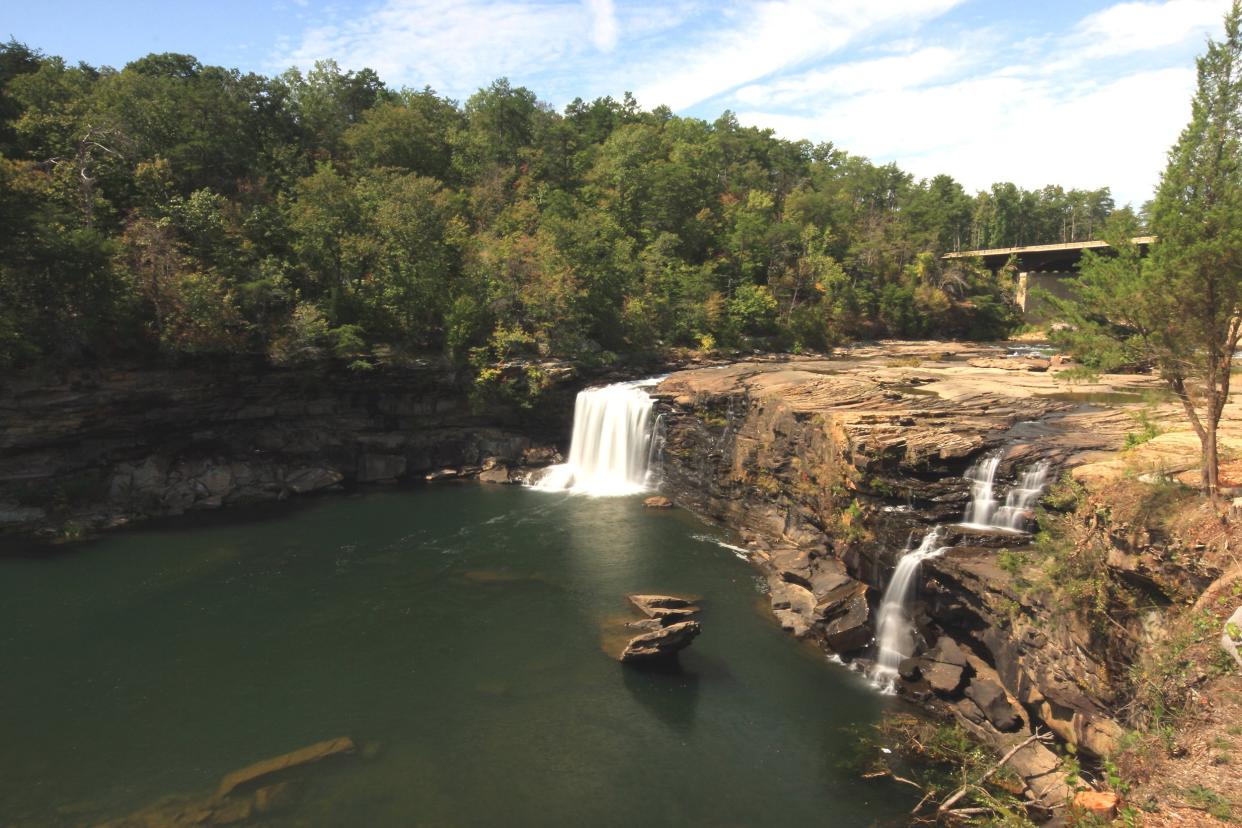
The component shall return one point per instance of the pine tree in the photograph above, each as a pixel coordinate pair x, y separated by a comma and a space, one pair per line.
1197, 258
1180, 309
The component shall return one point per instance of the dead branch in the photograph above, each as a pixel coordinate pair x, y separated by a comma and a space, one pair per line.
947, 805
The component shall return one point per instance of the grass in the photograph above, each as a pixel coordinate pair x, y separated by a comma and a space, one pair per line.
1210, 801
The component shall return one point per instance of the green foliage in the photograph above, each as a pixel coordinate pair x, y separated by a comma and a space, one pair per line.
172, 209
1214, 803
1148, 429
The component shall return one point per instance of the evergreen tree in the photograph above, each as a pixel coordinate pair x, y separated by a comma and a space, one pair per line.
1181, 309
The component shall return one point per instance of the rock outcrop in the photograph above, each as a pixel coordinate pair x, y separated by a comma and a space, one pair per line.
828, 466
667, 628
103, 450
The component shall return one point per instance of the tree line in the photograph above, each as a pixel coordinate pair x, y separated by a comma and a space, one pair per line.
171, 211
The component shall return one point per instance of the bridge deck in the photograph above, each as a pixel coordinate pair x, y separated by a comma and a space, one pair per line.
1040, 248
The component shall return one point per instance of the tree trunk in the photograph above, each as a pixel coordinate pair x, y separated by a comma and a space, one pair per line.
1211, 461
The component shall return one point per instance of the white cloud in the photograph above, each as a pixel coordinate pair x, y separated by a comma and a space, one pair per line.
1137, 26
603, 24
457, 47
924, 66
760, 39
1028, 130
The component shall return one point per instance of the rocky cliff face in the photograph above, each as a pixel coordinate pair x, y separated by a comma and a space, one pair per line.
102, 450
828, 467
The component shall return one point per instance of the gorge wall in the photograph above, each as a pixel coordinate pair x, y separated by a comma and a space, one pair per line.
829, 467
100, 450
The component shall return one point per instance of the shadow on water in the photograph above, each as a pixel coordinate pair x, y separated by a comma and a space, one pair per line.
667, 690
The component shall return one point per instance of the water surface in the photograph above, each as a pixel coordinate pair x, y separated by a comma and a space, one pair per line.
458, 633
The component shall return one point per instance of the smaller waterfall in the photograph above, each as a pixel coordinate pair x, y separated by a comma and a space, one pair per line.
982, 477
611, 447
895, 627
1022, 498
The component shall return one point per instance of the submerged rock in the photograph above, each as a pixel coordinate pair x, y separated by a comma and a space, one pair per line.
658, 502
263, 771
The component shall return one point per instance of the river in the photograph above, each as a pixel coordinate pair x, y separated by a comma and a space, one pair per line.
459, 633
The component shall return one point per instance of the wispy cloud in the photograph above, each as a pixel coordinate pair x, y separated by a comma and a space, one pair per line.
761, 39
1135, 27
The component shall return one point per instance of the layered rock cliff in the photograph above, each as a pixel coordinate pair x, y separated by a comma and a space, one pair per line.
103, 449
828, 467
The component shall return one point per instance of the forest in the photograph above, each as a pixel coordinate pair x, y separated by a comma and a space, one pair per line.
170, 211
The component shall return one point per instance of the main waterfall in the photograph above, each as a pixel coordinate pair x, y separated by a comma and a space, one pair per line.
610, 450
895, 628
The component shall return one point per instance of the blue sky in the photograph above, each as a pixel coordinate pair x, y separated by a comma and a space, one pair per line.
1082, 94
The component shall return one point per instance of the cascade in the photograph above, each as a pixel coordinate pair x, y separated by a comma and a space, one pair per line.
895, 628
612, 443
1022, 497
982, 476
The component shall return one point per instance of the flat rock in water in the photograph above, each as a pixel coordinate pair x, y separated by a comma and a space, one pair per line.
658, 606
277, 764
662, 643
658, 502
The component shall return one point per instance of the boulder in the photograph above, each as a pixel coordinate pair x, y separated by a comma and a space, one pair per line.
266, 770
541, 456
792, 604
660, 644
1231, 636
847, 625
495, 474
909, 669
944, 666
943, 678
948, 651
312, 479
1100, 804
658, 502
994, 702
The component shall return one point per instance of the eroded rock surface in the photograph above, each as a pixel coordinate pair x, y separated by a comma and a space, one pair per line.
829, 466
667, 628
102, 450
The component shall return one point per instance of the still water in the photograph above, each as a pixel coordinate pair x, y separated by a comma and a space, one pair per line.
458, 633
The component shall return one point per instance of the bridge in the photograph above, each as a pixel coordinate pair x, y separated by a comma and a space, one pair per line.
1040, 265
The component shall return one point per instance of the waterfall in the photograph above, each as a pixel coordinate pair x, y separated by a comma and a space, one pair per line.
610, 450
895, 627
982, 476
985, 512
1022, 498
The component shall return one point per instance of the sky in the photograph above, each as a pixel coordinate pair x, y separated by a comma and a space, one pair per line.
1081, 94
